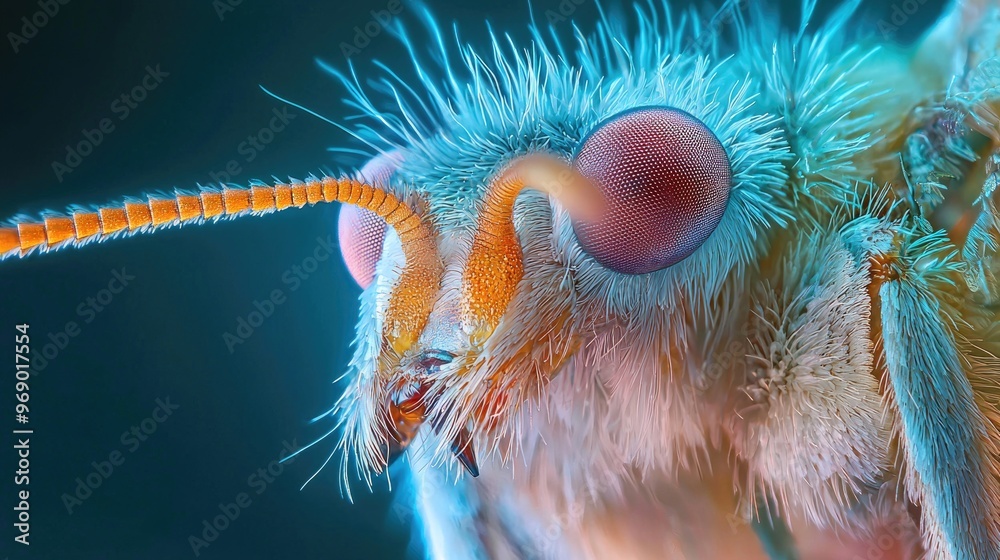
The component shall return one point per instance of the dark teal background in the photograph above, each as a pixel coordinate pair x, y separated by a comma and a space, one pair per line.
162, 336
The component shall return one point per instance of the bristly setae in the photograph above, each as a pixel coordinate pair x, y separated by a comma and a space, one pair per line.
750, 311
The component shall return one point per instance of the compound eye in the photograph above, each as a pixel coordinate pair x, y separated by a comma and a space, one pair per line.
360, 231
666, 181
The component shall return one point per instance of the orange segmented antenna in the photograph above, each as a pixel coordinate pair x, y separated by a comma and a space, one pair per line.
412, 296
495, 264
132, 216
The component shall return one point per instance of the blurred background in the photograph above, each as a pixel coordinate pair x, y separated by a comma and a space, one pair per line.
108, 359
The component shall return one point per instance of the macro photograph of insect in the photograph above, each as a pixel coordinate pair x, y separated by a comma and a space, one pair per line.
553, 279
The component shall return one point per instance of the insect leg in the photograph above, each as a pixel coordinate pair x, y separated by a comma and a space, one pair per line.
457, 520
944, 435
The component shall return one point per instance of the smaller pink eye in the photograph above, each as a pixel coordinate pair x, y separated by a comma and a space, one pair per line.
665, 178
361, 232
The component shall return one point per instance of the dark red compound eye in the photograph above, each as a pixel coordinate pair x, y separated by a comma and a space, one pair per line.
360, 231
666, 181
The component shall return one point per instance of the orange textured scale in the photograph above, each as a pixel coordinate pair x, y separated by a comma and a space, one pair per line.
389, 204
188, 207
299, 195
212, 204
366, 196
314, 192
138, 215
400, 213
329, 189
261, 198
31, 235
86, 224
344, 190
282, 196
355, 193
9, 240
236, 200
494, 268
113, 220
164, 211
409, 228
59, 229
378, 198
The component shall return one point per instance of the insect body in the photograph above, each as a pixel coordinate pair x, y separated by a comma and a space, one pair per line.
658, 302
